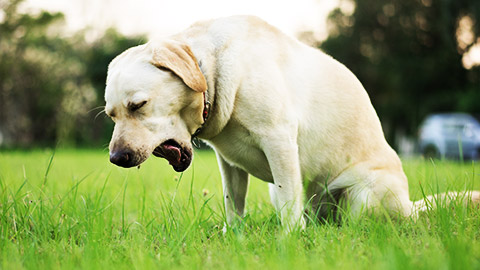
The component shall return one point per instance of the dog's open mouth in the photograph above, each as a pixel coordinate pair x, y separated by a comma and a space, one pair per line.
178, 156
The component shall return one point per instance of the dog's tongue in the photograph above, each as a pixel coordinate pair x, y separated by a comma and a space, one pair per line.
172, 153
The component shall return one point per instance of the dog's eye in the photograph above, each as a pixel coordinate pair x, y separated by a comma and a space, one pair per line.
134, 107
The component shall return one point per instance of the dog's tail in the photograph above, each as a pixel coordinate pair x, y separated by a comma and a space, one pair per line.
433, 201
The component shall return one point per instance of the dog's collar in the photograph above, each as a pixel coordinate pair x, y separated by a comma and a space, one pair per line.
205, 114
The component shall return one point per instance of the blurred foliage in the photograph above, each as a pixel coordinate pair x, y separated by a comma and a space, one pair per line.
51, 86
408, 55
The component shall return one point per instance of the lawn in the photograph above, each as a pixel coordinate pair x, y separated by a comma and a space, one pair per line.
76, 210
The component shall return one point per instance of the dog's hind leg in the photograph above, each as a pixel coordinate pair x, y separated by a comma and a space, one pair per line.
374, 191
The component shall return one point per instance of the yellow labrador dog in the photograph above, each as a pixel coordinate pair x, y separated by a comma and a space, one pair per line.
269, 105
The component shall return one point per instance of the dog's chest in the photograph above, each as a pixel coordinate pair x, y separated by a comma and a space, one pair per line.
239, 148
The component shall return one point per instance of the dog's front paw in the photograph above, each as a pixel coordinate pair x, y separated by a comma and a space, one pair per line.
225, 228
293, 226
236, 226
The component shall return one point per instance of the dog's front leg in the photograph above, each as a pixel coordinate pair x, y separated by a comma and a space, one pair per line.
235, 184
287, 190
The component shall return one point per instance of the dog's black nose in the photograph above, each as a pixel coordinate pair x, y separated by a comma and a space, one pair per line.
122, 158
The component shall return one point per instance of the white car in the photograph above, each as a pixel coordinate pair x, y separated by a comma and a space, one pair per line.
450, 135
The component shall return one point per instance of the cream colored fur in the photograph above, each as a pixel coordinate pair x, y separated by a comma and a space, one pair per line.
281, 111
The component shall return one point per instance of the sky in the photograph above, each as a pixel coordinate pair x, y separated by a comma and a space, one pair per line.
159, 18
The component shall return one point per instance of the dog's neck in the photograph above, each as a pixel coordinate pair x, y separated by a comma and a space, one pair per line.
205, 131
220, 102
205, 114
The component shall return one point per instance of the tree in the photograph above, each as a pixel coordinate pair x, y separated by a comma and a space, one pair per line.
408, 55
41, 82
49, 84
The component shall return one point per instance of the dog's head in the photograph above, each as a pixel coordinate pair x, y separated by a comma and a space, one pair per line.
154, 96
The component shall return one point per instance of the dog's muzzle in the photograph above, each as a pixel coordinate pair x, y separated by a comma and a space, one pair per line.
179, 157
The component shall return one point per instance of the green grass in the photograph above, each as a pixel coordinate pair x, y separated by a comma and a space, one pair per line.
78, 211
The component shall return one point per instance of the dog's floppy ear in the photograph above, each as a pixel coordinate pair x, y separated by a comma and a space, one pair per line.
180, 60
